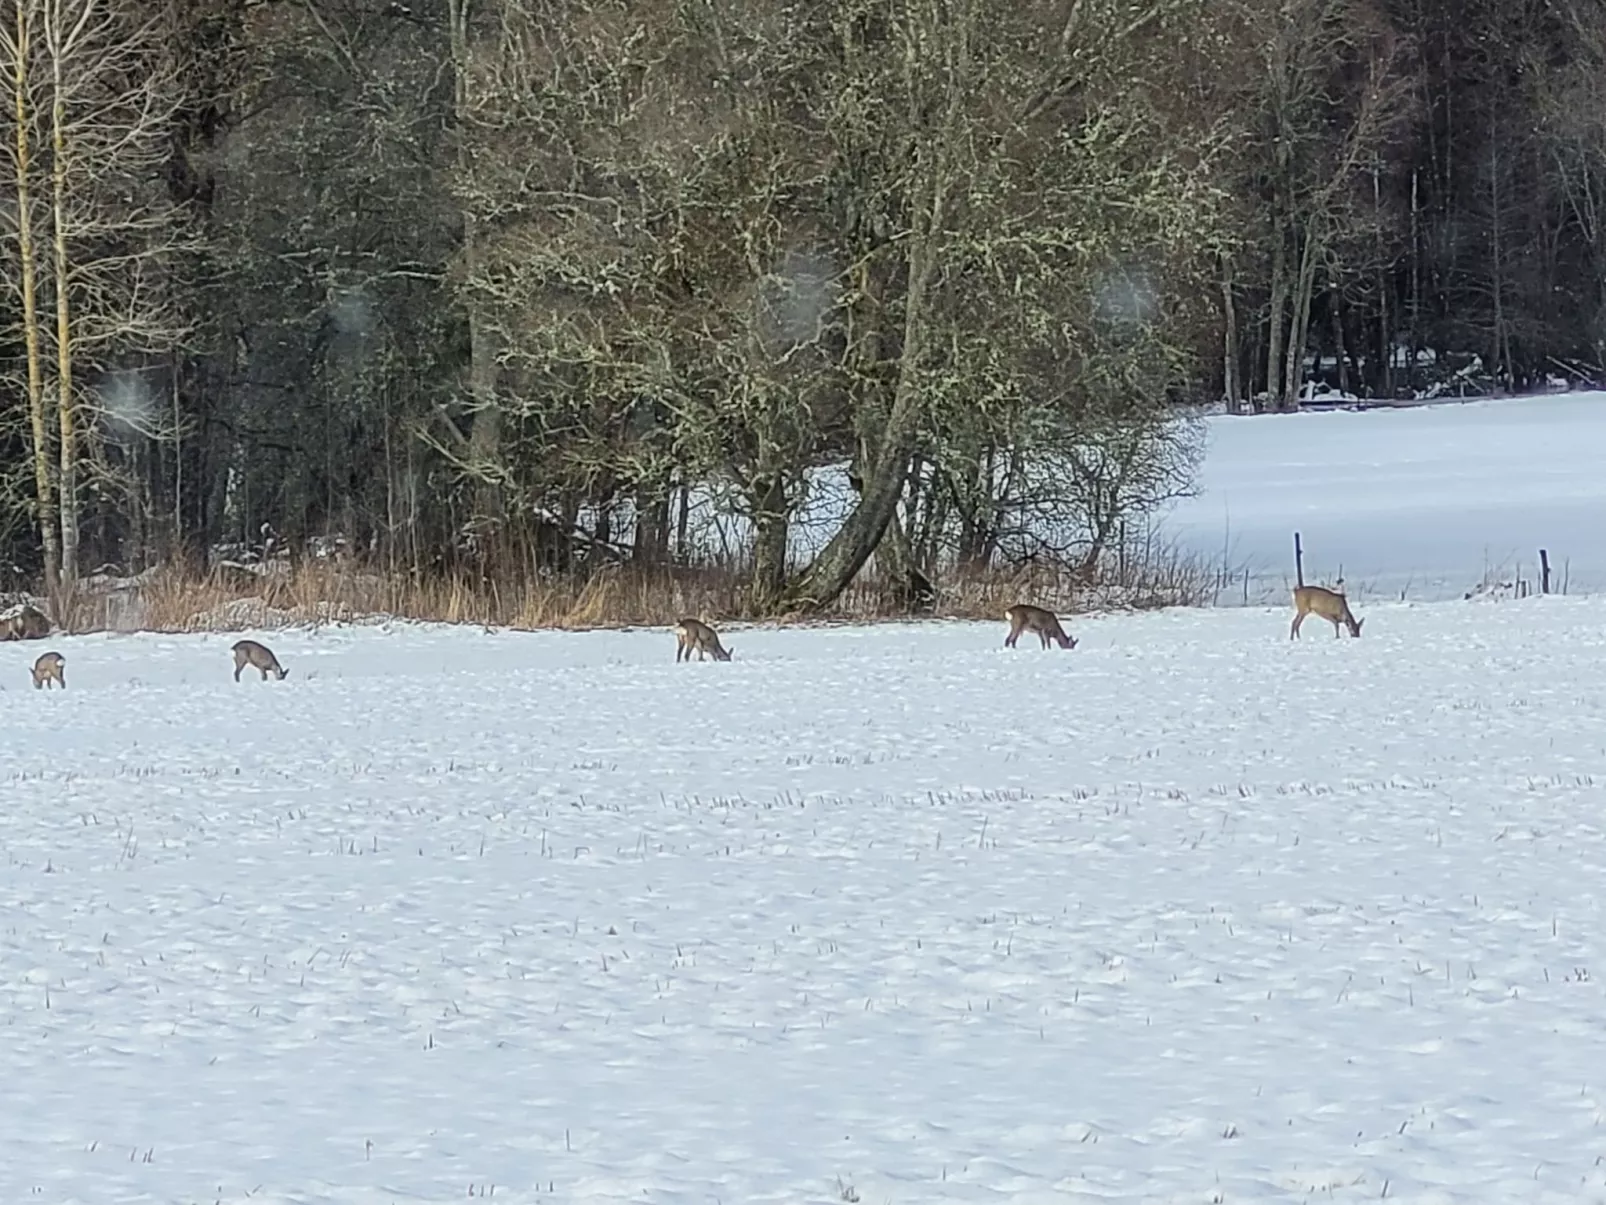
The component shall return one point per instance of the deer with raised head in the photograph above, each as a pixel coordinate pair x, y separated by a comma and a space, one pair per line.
1023, 617
1331, 605
693, 635
258, 656
49, 670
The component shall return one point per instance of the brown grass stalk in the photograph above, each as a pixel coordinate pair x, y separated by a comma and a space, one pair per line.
311, 592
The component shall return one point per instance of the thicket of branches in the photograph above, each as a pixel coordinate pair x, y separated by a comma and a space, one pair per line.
502, 288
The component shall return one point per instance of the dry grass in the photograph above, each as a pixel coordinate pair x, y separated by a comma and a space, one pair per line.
313, 592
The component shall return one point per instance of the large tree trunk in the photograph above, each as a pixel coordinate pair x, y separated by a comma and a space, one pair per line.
946, 36
887, 469
1335, 319
652, 526
771, 520
1278, 307
839, 562
65, 407
485, 425
28, 268
1231, 389
1299, 324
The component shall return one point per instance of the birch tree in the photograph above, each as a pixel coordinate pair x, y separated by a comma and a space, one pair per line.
17, 43
95, 90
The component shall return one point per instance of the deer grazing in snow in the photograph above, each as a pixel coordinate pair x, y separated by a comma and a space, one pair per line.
1023, 617
49, 670
1331, 605
258, 656
693, 635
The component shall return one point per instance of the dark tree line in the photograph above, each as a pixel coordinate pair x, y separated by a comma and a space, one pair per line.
508, 287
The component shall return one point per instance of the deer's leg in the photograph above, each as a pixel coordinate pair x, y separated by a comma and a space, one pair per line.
1299, 618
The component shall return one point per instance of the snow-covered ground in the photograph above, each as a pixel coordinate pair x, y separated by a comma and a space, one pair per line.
1192, 913
1422, 502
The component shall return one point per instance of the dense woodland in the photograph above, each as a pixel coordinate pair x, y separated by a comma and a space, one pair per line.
514, 288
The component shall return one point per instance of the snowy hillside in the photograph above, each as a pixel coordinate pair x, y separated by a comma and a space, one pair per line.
1423, 501
1192, 913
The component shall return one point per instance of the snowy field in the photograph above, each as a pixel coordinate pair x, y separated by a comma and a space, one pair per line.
1422, 502
1193, 913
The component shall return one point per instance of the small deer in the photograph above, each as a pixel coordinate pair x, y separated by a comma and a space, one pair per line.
1331, 605
695, 635
249, 652
1025, 618
29, 623
48, 670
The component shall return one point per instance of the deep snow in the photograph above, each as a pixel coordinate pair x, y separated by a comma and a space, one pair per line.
1423, 502
1191, 913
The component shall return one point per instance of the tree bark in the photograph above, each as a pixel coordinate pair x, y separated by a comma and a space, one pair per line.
1335, 318
1299, 323
941, 138
772, 526
65, 403
1230, 386
21, 48
485, 424
1279, 303
839, 562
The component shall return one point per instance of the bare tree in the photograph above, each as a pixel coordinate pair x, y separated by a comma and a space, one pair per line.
1006, 144
96, 87
1330, 90
17, 43
1570, 103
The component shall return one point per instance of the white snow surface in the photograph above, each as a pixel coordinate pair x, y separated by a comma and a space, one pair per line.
1191, 913
1424, 502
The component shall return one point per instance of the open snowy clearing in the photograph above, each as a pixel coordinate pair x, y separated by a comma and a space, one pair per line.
1192, 913
1423, 501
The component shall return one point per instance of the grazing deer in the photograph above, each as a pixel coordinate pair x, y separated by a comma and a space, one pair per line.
1025, 618
249, 652
695, 635
29, 623
50, 668
1329, 604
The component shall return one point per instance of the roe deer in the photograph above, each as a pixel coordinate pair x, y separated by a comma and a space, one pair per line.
249, 652
29, 623
50, 668
1329, 604
1025, 618
695, 635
